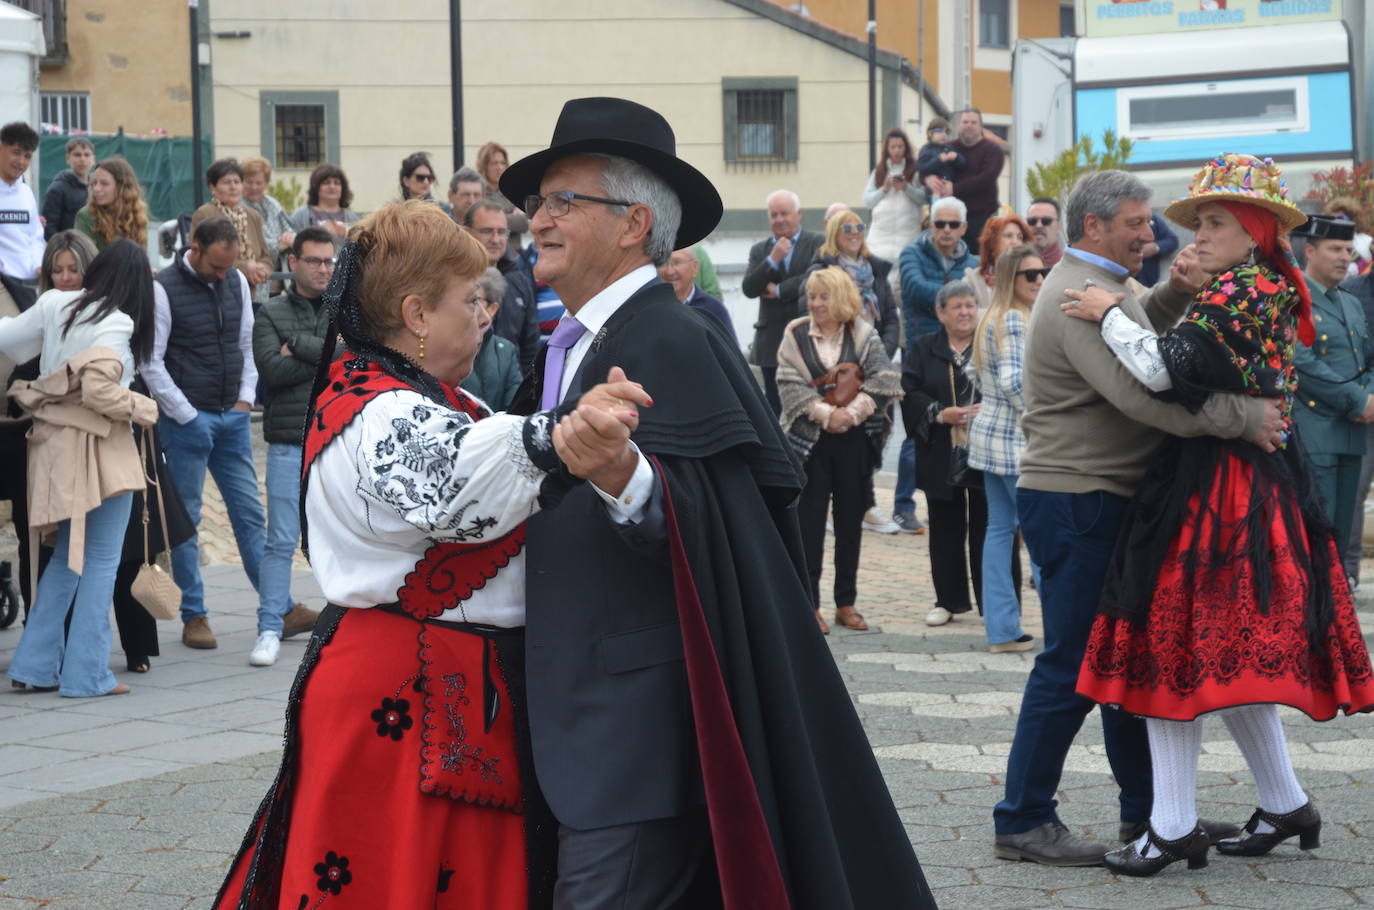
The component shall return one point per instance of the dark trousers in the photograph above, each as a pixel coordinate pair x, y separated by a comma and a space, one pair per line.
649, 864
838, 468
956, 527
1071, 537
770, 389
1338, 479
137, 629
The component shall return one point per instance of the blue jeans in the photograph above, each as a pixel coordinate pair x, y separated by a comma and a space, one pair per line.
283, 534
904, 498
77, 661
1001, 608
1071, 537
221, 443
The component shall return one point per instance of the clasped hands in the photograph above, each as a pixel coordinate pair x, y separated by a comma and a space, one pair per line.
594, 439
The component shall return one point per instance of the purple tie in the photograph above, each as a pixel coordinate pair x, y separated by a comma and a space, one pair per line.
563, 337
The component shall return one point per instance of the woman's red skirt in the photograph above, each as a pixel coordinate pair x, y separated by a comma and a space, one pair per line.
1208, 643
401, 794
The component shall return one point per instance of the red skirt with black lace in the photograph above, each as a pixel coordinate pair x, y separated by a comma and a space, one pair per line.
400, 784
1221, 637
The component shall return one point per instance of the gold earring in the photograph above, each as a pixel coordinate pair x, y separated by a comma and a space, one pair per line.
422, 345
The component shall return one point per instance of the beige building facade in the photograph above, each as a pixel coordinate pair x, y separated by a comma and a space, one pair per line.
116, 63
759, 97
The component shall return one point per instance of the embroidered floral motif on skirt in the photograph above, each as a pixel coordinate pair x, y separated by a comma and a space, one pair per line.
1208, 643
406, 789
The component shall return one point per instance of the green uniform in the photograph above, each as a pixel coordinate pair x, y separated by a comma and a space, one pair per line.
1335, 380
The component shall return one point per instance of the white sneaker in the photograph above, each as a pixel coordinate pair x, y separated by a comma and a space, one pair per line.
264, 653
876, 520
938, 616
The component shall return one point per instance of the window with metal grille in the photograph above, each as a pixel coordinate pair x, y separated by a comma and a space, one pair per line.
66, 110
994, 23
760, 120
300, 135
761, 125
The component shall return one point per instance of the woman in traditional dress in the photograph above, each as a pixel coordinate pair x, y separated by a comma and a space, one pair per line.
403, 778
1226, 592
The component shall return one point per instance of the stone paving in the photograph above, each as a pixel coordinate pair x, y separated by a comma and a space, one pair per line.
139, 801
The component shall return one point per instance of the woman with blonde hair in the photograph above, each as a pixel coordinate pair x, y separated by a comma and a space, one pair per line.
115, 208
836, 382
995, 441
407, 748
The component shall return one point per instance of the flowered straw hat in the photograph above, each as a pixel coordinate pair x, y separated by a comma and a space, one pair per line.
1238, 178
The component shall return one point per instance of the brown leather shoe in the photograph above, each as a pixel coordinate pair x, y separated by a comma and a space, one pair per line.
300, 619
850, 618
197, 634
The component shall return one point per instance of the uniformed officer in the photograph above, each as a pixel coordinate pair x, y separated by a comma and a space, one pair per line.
1336, 374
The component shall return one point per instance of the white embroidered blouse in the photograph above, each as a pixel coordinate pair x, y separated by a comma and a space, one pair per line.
407, 473
1137, 348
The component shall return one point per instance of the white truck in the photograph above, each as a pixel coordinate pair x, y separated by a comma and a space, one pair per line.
1282, 92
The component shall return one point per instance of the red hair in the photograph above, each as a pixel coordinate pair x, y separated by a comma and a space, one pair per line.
1263, 228
994, 227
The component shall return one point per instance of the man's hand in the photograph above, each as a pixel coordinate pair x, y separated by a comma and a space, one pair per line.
944, 188
286, 239
617, 394
285, 350
780, 249
770, 291
242, 405
1273, 432
1368, 415
1186, 274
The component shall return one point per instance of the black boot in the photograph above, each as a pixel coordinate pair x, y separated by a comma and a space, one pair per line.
1192, 847
1304, 822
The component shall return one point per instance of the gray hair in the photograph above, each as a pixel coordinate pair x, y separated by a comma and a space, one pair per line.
463, 175
622, 178
493, 284
959, 288
954, 201
1100, 193
796, 200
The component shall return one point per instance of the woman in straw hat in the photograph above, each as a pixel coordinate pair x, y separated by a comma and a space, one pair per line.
1226, 591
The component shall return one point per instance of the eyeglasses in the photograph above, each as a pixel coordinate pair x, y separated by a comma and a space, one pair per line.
1041, 222
492, 232
317, 263
945, 225
1034, 274
852, 228
560, 203
426, 178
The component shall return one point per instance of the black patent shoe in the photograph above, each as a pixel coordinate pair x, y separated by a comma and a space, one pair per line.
1304, 822
1192, 847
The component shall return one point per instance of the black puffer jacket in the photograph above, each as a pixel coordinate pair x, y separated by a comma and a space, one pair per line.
64, 198
300, 324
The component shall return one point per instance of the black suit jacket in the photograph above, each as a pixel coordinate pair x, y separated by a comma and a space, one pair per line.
776, 313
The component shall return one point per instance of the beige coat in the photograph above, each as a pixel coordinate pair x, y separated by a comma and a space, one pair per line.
81, 448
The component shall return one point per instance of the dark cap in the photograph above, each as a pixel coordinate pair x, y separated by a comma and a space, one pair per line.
1326, 227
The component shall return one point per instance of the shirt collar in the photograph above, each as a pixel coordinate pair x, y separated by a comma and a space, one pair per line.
1102, 261
595, 312
1316, 286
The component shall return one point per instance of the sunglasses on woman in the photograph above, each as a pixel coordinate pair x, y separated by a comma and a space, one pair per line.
852, 228
1034, 274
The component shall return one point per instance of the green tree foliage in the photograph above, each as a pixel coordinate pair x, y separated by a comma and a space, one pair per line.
288, 191
1054, 179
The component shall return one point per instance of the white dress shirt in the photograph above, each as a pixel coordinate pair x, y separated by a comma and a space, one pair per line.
594, 315
170, 399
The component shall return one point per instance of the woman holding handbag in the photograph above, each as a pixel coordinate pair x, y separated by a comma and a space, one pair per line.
940, 404
835, 380
83, 462
156, 515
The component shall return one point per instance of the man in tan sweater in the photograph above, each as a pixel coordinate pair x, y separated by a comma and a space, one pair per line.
1090, 431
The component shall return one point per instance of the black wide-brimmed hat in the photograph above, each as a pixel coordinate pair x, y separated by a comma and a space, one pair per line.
614, 126
1327, 227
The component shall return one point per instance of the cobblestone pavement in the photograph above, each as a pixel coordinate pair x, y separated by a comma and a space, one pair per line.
138, 801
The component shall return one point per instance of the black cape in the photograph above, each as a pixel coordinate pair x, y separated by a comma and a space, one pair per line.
733, 483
